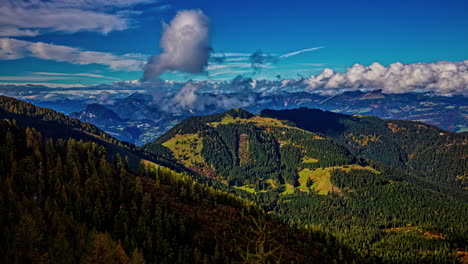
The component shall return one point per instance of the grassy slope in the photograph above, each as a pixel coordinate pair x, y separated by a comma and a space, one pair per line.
186, 148
321, 178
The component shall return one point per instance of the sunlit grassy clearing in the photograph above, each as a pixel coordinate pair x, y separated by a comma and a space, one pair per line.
289, 189
322, 177
186, 148
309, 160
246, 188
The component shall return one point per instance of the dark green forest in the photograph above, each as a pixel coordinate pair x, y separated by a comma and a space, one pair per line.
385, 211
63, 201
231, 188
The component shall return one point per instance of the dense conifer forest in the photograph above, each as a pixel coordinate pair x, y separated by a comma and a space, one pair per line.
383, 209
64, 201
429, 152
231, 188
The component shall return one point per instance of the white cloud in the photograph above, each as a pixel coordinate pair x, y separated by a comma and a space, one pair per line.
30, 18
12, 49
442, 78
186, 97
185, 44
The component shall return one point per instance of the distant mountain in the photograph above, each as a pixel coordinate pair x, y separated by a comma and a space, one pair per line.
393, 189
65, 106
448, 113
98, 114
136, 106
140, 125
445, 112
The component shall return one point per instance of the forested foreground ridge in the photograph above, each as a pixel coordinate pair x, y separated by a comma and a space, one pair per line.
406, 209
69, 201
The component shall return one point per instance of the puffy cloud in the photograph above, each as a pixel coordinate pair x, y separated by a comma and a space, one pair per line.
186, 97
30, 18
12, 49
443, 78
190, 99
185, 43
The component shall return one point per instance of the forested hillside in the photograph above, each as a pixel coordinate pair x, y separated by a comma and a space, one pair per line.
431, 153
70, 193
64, 201
381, 211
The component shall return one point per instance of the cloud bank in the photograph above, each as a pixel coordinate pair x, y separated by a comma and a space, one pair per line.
439, 78
442, 78
185, 44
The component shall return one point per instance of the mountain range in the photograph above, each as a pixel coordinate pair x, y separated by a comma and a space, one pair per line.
141, 119
271, 186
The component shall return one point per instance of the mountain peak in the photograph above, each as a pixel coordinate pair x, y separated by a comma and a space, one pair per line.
98, 111
239, 112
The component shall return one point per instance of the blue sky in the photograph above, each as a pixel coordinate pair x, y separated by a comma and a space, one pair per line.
92, 42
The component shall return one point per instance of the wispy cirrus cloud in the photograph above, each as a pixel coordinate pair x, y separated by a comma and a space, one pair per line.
12, 49
33, 78
38, 78
287, 55
257, 60
6, 87
228, 72
81, 74
33, 17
